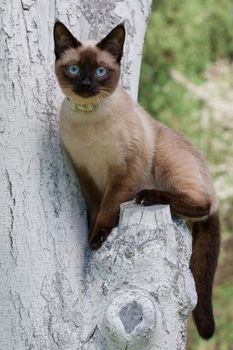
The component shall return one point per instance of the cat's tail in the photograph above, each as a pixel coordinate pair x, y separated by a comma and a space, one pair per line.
206, 244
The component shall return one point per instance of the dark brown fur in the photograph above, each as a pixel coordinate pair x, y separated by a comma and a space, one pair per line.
179, 202
206, 243
92, 194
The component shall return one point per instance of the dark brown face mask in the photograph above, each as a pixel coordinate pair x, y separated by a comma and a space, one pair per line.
87, 73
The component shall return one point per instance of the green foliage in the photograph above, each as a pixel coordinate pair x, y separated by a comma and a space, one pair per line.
224, 339
185, 35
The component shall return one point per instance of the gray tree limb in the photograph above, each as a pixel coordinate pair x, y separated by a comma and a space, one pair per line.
43, 228
139, 289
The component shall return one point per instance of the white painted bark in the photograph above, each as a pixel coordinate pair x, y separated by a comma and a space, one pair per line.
139, 289
43, 229
136, 291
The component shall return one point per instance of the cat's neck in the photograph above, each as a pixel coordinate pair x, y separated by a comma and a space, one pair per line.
90, 110
83, 107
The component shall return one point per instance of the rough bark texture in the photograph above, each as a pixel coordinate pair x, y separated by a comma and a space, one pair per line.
43, 221
139, 289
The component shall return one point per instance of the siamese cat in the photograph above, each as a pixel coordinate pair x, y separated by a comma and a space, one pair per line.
121, 153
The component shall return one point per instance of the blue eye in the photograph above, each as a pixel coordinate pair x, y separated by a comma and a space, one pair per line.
73, 69
101, 71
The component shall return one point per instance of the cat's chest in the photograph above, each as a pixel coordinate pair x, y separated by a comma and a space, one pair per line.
94, 147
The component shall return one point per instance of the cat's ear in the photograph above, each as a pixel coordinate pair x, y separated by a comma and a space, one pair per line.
114, 42
63, 39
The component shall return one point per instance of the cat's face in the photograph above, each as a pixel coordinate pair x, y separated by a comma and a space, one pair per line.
88, 71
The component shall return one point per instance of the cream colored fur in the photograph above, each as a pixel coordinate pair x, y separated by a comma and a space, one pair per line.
105, 137
100, 139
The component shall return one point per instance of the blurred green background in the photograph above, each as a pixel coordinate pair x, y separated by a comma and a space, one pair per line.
187, 83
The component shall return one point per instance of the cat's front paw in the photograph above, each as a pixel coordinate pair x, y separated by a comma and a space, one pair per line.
148, 197
98, 236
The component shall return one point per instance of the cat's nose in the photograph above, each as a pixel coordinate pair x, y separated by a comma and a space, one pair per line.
86, 83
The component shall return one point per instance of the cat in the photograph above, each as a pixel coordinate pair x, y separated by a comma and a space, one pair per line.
121, 153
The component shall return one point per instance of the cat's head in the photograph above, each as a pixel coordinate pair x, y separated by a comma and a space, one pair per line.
90, 70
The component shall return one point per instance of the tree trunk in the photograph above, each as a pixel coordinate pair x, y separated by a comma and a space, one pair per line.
43, 251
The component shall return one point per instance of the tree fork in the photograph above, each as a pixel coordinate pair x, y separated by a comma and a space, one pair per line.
44, 256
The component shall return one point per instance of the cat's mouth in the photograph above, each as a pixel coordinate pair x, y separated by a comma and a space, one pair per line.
85, 94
